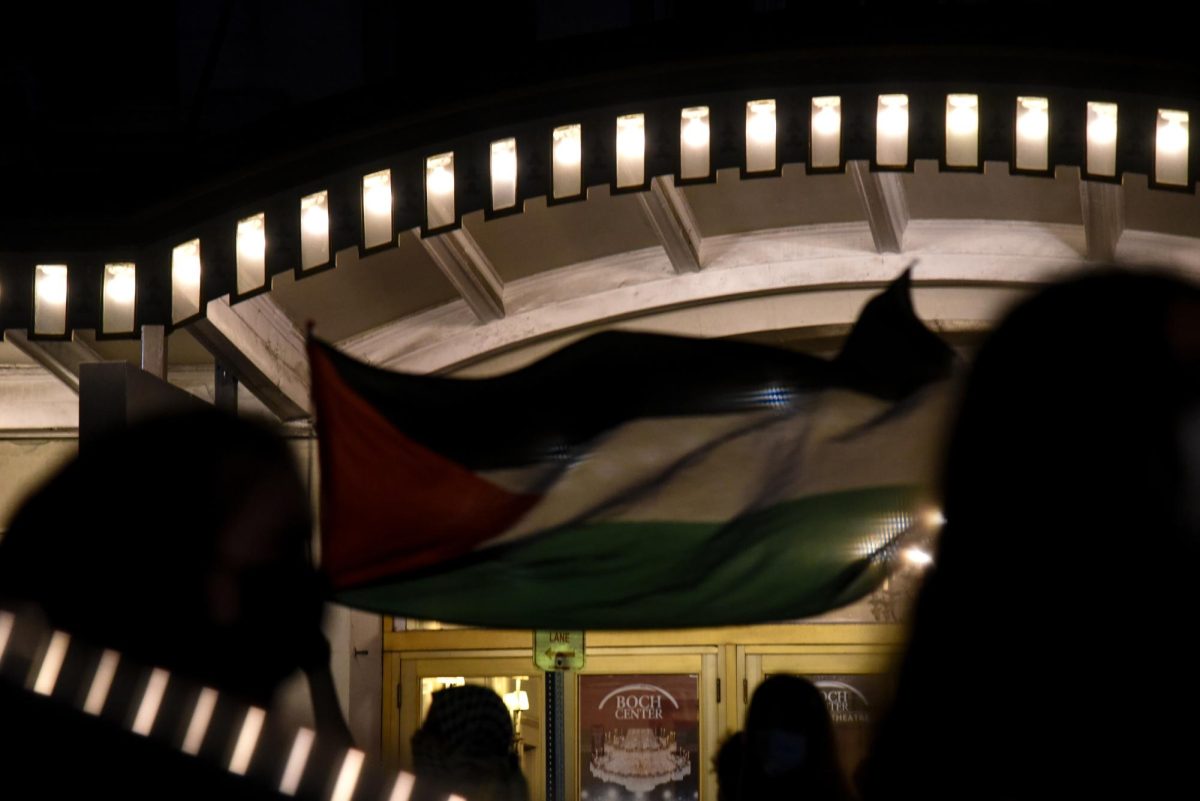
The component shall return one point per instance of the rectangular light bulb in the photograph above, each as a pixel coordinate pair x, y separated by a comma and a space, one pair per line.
962, 130
760, 136
567, 174
826, 139
1033, 133
504, 174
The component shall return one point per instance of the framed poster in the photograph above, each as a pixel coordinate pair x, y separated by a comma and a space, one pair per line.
639, 737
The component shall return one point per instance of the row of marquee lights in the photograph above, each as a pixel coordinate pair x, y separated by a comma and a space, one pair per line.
892, 129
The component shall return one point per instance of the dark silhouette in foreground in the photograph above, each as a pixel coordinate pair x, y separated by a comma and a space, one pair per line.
1045, 657
182, 544
786, 751
465, 746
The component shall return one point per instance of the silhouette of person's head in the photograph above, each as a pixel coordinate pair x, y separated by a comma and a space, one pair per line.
183, 543
1065, 565
465, 746
787, 749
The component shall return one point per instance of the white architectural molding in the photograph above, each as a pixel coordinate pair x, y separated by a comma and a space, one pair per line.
965, 271
469, 270
260, 345
673, 222
884, 204
60, 358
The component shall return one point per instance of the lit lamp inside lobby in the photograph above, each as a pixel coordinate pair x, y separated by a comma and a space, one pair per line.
439, 190
891, 131
251, 253
50, 299
631, 150
1171, 148
1033, 133
314, 230
962, 130
694, 139
825, 150
377, 208
760, 136
185, 280
1102, 139
568, 156
504, 173
119, 296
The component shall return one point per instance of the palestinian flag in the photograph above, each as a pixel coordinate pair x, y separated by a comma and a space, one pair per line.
631, 480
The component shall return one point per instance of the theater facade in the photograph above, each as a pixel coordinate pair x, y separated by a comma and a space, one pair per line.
633, 175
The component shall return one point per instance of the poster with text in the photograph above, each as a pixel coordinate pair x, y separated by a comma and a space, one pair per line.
639, 737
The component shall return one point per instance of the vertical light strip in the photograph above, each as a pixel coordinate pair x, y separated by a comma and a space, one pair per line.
251, 253
962, 130
348, 776
1033, 133
567, 176
120, 298
297, 759
404, 787
185, 280
101, 682
439, 190
314, 230
1171, 148
377, 208
826, 141
760, 136
50, 299
247, 739
156, 687
631, 150
52, 663
6, 627
694, 142
201, 717
891, 131
504, 174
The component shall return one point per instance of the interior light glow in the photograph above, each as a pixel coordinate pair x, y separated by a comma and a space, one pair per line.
568, 153
247, 740
826, 140
891, 130
517, 701
1102, 139
694, 138
631, 150
760, 135
962, 130
297, 759
52, 663
1171, 148
504, 173
1033, 133
314, 230
156, 687
348, 776
917, 556
439, 190
101, 682
201, 717
251, 253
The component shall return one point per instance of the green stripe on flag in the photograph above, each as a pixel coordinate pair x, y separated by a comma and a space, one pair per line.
790, 561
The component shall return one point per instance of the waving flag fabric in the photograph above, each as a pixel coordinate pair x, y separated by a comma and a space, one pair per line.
631, 480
